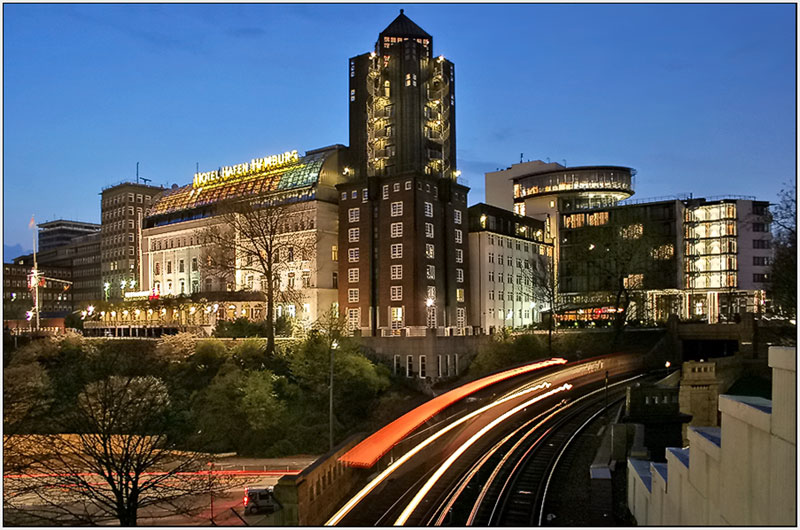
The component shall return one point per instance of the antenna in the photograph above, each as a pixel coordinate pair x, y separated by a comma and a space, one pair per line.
520, 158
146, 180
137, 172
197, 167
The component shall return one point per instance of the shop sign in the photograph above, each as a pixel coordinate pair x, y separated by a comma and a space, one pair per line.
256, 165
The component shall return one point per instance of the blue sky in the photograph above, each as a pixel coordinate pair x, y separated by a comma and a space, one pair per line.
697, 98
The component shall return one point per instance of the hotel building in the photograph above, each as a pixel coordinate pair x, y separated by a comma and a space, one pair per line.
403, 211
173, 255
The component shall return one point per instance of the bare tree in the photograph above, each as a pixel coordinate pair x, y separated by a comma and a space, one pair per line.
259, 241
543, 281
783, 272
119, 462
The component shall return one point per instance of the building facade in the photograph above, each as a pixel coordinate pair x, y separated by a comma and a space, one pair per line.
122, 209
54, 234
403, 211
510, 265
174, 254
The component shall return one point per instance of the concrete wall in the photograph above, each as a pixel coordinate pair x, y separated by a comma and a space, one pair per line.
742, 473
311, 497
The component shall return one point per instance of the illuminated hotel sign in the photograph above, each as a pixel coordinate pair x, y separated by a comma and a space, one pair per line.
256, 165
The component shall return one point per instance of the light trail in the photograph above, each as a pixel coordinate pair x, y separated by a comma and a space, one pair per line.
344, 510
466, 445
276, 472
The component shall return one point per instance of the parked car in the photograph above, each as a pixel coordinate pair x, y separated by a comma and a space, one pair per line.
259, 500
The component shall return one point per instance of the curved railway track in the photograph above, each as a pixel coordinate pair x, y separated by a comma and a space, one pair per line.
507, 484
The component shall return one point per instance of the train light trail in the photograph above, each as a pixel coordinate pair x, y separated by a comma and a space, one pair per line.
466, 445
372, 448
344, 510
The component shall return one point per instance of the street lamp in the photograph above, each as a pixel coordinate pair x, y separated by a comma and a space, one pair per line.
334, 346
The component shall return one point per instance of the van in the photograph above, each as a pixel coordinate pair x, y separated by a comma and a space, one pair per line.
259, 499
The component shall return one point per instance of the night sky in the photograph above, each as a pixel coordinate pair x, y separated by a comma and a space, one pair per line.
697, 98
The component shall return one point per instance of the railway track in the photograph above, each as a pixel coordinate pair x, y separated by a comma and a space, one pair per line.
507, 484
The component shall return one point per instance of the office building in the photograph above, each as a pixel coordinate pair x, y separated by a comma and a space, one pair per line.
510, 269
123, 207
403, 210
54, 234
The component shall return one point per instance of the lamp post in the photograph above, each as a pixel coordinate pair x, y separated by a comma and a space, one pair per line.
334, 346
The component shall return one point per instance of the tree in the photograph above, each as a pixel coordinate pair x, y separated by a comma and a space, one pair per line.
783, 272
258, 241
543, 281
120, 461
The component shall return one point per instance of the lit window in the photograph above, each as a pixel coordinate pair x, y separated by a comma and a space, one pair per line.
334, 252
344, 195
460, 275
385, 191
429, 251
352, 275
397, 229
397, 209
459, 295
354, 214
458, 236
352, 295
408, 185
431, 272
352, 255
429, 230
397, 272
457, 216
396, 186
354, 194
352, 94
397, 250
364, 195
428, 209
396, 293
353, 318
352, 235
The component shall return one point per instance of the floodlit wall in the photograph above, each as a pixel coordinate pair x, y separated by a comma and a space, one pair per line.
742, 473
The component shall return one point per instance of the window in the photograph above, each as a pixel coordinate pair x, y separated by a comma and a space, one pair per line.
457, 216
431, 272
397, 250
422, 366
408, 185
459, 256
157, 269
180, 266
396, 272
396, 186
761, 243
352, 94
397, 209
409, 365
354, 318
491, 295
397, 365
353, 214
461, 321
352, 235
194, 264
428, 209
130, 238
352, 275
491, 276
352, 255
169, 267
290, 254
344, 195
306, 278
290, 279
334, 280
429, 230
364, 195
761, 260
429, 252
130, 224
509, 260
460, 275
334, 253
759, 278
352, 295
385, 191
354, 194
396, 292
397, 229
459, 295
491, 257
458, 236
